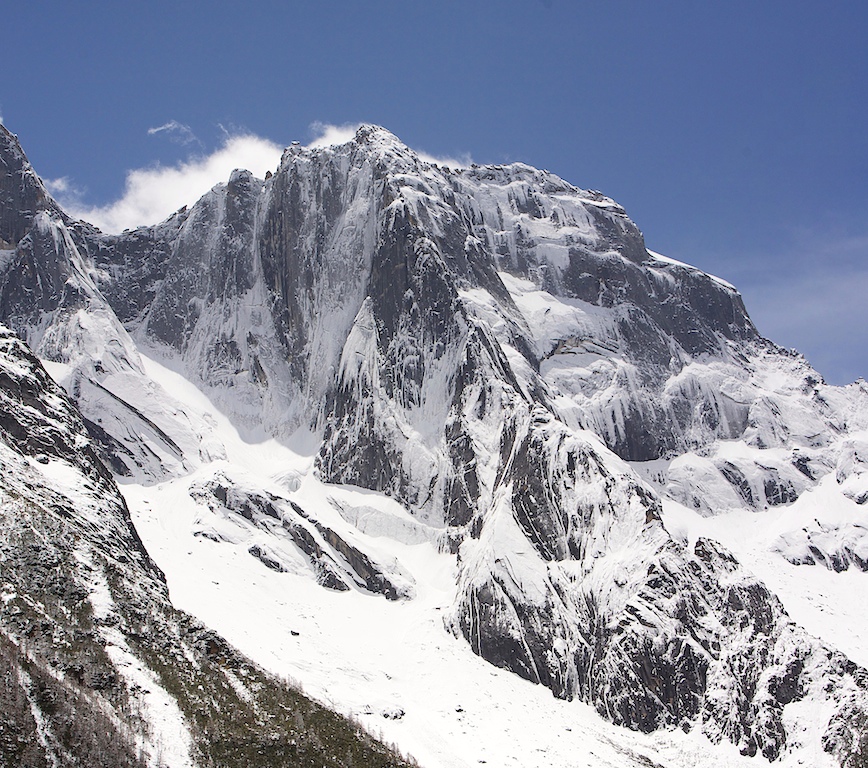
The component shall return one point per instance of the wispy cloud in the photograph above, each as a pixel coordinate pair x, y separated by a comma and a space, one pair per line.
152, 194
813, 298
327, 135
62, 187
463, 160
177, 133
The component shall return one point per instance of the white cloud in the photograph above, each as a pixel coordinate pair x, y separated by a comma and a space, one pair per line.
327, 135
152, 194
177, 132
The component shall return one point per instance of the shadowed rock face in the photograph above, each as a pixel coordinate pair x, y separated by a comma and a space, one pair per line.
37, 282
486, 346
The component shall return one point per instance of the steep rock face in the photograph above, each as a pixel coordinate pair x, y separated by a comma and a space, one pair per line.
259, 283
22, 193
46, 439
487, 346
66, 537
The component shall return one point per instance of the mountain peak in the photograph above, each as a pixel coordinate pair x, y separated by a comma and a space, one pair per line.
368, 133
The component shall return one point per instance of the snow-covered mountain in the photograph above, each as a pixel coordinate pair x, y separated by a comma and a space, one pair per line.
382, 388
98, 668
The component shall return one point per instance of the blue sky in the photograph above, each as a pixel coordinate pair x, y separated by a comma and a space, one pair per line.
734, 134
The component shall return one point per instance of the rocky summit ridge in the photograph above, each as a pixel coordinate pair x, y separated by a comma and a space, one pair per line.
498, 352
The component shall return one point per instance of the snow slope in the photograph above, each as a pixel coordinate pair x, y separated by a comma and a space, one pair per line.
392, 664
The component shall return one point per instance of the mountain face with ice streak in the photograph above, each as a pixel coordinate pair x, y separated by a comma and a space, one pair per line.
496, 351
